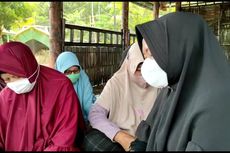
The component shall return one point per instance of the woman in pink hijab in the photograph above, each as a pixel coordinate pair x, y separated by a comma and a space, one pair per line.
39, 109
124, 102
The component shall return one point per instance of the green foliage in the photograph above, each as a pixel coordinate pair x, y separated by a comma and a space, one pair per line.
104, 15
41, 13
138, 15
13, 13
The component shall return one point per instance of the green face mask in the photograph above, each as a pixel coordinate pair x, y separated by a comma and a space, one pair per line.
74, 77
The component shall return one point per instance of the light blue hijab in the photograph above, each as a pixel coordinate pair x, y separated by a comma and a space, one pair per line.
83, 86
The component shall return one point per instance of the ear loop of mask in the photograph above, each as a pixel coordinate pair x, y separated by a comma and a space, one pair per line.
37, 70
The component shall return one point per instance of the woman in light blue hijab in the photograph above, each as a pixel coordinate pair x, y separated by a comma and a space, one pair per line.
68, 63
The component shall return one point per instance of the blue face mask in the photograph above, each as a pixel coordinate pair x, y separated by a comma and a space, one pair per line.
74, 77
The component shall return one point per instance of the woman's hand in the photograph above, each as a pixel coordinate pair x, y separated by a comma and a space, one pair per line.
124, 138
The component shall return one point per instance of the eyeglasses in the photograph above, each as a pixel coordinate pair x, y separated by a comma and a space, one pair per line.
67, 72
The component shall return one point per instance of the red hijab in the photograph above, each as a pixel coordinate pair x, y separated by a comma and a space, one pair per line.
48, 117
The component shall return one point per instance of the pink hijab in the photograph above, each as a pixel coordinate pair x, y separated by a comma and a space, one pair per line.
48, 118
128, 98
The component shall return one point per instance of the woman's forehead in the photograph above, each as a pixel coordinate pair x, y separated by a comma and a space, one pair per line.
73, 68
6, 75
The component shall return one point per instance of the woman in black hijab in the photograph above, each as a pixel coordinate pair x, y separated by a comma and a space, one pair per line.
192, 112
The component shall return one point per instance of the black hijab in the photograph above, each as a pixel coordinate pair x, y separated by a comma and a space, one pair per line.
195, 105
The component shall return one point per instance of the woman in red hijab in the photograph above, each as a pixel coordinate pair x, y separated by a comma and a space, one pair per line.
39, 109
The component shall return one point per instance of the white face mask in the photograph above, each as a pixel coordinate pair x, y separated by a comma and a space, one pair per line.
23, 85
153, 74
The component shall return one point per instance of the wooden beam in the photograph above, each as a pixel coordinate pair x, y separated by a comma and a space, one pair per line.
146, 5
150, 5
56, 38
178, 6
125, 24
156, 7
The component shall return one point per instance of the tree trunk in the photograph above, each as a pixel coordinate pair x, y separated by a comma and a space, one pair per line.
178, 6
156, 10
56, 38
125, 24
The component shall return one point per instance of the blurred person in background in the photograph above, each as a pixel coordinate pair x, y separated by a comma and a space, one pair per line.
68, 63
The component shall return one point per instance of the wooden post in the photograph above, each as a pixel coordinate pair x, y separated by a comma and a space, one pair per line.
156, 7
178, 6
125, 24
221, 10
56, 32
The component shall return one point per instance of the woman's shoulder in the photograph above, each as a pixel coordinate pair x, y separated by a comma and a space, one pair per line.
53, 76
